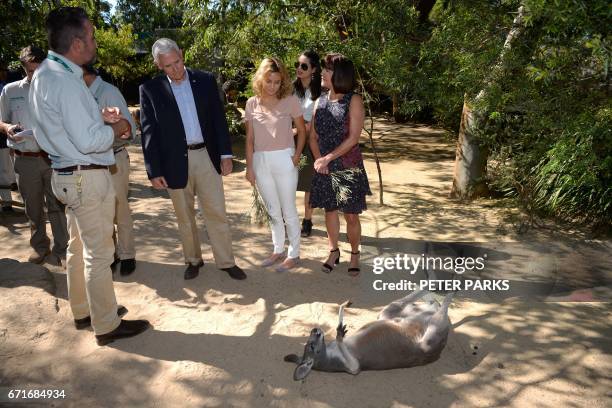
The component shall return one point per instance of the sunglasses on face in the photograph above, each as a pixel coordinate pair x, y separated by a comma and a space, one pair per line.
302, 65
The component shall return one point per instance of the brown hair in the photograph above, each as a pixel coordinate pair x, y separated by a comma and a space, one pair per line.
343, 78
32, 53
267, 66
64, 24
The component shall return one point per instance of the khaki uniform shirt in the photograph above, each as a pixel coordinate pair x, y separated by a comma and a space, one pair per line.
15, 109
107, 95
67, 121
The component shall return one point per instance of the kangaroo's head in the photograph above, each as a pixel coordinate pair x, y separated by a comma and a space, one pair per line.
314, 353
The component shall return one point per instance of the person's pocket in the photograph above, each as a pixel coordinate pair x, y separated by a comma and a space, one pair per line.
64, 188
290, 153
96, 186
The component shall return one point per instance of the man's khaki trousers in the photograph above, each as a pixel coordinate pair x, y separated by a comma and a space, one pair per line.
89, 197
203, 181
123, 216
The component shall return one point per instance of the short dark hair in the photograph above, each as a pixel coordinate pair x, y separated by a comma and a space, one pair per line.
32, 53
64, 24
230, 85
343, 78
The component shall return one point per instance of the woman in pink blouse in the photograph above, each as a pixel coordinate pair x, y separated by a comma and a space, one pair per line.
272, 156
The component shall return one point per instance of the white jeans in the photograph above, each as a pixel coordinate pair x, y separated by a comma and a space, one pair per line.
276, 178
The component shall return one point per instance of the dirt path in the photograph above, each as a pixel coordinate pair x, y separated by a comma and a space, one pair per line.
217, 342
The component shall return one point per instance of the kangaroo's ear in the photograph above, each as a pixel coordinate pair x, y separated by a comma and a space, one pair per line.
303, 369
292, 358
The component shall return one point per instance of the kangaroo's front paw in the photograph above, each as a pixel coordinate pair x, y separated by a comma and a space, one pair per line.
341, 331
292, 358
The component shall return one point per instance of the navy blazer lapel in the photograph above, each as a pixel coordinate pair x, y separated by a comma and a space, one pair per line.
172, 107
167, 90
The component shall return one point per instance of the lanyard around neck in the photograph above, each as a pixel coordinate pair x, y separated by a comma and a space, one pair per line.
61, 62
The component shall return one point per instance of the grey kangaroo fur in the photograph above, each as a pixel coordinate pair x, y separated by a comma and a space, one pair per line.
406, 334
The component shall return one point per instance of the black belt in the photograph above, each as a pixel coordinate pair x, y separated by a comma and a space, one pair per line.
82, 167
119, 150
196, 146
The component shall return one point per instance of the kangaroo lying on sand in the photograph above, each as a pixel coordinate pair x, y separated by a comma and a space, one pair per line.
406, 334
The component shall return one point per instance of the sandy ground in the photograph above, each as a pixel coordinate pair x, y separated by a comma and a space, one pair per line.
217, 342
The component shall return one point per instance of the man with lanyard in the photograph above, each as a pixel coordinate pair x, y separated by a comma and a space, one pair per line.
32, 165
108, 95
68, 125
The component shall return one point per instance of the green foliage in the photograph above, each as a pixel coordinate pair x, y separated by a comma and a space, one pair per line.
380, 37
555, 74
21, 24
575, 175
465, 43
235, 122
547, 118
145, 16
258, 213
115, 49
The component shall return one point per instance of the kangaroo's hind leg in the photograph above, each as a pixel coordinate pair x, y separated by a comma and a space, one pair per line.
396, 308
437, 329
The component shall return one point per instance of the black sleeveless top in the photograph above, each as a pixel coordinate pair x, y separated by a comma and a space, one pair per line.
350, 187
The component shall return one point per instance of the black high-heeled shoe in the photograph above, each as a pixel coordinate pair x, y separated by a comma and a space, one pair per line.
355, 270
327, 268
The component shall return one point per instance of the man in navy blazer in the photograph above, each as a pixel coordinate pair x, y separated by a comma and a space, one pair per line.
186, 146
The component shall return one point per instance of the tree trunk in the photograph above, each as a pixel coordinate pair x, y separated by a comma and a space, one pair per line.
370, 131
395, 109
470, 158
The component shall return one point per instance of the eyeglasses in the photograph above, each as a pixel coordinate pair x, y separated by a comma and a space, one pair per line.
302, 65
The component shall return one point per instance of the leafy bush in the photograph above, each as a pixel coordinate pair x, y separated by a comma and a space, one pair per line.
575, 176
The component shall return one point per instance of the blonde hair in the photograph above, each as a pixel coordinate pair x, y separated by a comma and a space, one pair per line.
267, 66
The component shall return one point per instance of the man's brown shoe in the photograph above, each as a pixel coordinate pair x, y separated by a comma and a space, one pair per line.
127, 328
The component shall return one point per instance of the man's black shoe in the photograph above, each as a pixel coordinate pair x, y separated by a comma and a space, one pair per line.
193, 271
8, 209
114, 264
235, 272
127, 266
85, 322
127, 328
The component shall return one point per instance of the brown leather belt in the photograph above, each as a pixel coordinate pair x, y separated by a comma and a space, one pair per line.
82, 167
196, 146
31, 154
